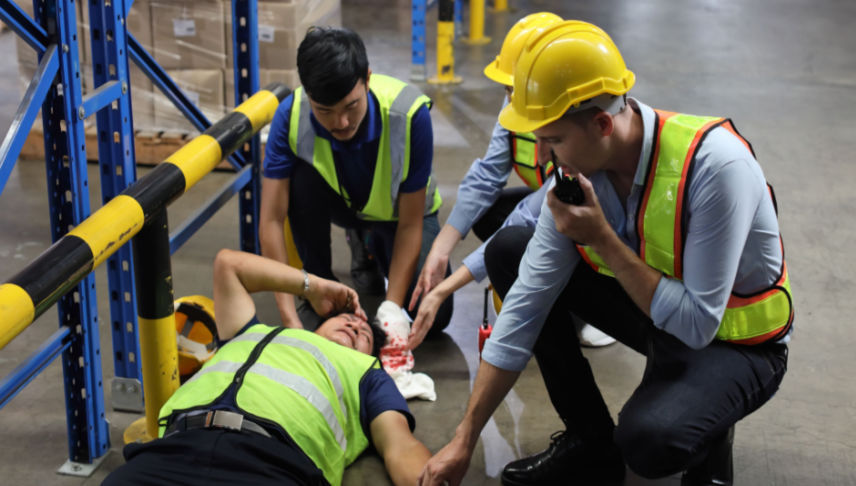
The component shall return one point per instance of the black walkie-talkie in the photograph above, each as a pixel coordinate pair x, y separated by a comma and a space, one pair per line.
568, 189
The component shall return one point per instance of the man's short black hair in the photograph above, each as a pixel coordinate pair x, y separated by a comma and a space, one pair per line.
330, 61
378, 337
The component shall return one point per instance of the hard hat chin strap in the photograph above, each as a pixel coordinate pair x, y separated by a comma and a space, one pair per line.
610, 103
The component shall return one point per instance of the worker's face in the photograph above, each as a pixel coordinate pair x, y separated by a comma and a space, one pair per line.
349, 331
577, 147
343, 119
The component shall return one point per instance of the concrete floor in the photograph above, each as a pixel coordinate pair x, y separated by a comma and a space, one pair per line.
783, 70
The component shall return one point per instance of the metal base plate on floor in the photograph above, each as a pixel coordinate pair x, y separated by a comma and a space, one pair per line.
128, 395
71, 468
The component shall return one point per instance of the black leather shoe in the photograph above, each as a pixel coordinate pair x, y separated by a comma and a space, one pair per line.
568, 460
365, 273
717, 468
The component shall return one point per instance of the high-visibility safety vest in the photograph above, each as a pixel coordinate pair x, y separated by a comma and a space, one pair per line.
292, 378
749, 319
398, 103
524, 156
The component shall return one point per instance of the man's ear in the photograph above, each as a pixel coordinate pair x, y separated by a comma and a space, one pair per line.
368, 77
605, 123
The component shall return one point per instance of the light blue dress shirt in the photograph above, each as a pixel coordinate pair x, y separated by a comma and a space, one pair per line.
483, 182
732, 243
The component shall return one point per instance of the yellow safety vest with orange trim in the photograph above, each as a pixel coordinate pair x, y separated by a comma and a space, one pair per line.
748, 319
524, 159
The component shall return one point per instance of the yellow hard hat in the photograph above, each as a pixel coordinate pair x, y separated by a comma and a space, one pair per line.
501, 69
196, 333
562, 66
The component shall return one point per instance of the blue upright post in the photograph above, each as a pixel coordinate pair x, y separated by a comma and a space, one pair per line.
65, 158
417, 64
245, 45
459, 19
118, 170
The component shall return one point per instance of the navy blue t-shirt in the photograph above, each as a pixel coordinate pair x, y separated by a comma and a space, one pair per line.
355, 159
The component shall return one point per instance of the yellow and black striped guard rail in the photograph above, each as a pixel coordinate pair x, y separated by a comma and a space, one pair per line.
56, 271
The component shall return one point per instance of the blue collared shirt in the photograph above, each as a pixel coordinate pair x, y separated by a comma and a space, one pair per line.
483, 182
732, 243
355, 158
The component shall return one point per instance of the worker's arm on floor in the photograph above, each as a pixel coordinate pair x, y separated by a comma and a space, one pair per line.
408, 241
274, 210
237, 274
452, 461
403, 455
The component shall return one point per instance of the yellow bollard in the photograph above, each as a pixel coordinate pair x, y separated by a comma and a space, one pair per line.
500, 5
445, 55
160, 366
477, 36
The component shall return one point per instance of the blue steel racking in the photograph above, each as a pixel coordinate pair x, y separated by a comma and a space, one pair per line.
56, 90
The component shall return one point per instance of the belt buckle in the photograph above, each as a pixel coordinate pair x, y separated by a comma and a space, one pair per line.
226, 420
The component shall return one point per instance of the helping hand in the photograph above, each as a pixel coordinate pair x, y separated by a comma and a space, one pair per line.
448, 466
328, 297
425, 317
433, 272
584, 223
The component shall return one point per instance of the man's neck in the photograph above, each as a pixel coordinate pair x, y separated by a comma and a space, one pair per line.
628, 148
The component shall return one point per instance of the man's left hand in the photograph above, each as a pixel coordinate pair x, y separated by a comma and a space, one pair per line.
328, 297
584, 223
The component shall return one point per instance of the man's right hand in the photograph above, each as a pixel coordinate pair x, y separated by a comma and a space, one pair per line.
434, 269
425, 317
433, 272
448, 466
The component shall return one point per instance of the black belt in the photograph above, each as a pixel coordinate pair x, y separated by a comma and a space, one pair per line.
218, 419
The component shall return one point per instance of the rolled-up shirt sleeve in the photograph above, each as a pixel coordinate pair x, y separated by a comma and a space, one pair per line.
483, 182
545, 269
723, 202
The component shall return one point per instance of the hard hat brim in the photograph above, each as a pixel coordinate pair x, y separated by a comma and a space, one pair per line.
497, 75
513, 121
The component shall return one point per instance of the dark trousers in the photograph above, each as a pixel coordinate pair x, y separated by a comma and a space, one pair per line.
207, 457
493, 218
313, 206
687, 398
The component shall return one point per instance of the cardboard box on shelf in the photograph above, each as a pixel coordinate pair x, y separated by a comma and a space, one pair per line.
282, 25
266, 76
204, 88
188, 34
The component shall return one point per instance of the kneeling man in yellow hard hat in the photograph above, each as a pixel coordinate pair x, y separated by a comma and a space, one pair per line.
668, 241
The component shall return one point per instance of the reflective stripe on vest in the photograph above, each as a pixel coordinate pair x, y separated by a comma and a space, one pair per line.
298, 380
524, 156
748, 319
398, 102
